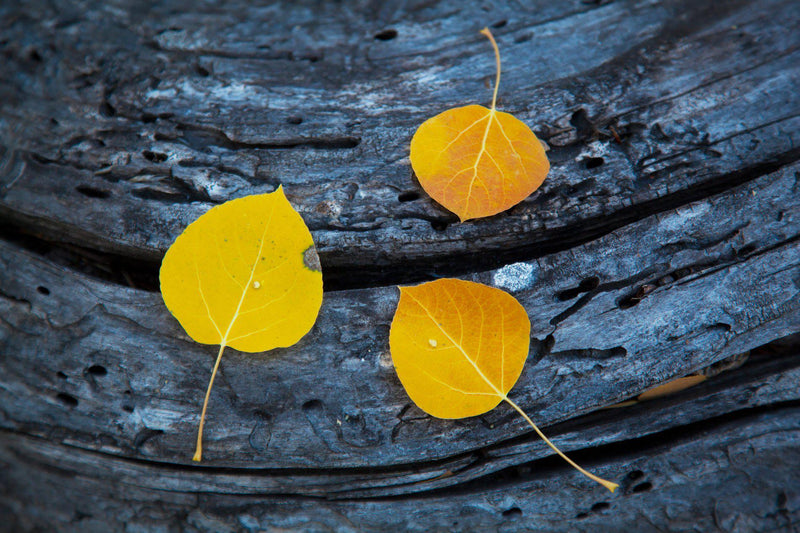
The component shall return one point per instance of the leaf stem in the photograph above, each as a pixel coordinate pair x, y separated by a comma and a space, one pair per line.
198, 453
607, 484
487, 33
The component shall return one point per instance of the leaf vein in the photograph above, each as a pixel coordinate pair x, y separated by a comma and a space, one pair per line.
460, 348
463, 131
203, 297
252, 273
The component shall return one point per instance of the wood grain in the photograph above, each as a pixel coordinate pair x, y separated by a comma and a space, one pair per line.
664, 242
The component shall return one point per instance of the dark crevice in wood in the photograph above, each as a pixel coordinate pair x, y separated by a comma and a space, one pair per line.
743, 254
591, 286
386, 35
92, 192
579, 304
12, 298
702, 269
97, 370
67, 399
174, 191
632, 482
408, 196
592, 353
561, 239
591, 458
189, 163
585, 285
774, 358
201, 137
584, 127
112, 268
155, 157
118, 268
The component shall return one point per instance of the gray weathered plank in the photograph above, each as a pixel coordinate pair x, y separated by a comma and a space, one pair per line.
739, 477
769, 380
121, 128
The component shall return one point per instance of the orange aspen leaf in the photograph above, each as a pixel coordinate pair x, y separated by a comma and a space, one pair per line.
671, 387
665, 389
459, 347
245, 275
475, 161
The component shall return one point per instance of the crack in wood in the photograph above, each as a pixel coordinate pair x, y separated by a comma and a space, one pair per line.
421, 269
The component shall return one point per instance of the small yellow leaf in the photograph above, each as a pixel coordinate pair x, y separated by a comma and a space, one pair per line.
478, 162
671, 387
483, 340
665, 389
245, 275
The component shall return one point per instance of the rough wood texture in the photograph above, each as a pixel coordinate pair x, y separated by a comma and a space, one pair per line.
121, 125
739, 477
664, 241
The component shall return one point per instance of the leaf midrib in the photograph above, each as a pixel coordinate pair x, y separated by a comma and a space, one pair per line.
247, 285
458, 345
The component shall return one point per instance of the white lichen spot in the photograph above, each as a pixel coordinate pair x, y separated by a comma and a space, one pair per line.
237, 92
212, 91
514, 277
256, 285
385, 361
594, 149
161, 94
433, 343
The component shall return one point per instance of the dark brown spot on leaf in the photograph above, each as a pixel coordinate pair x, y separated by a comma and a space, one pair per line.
311, 259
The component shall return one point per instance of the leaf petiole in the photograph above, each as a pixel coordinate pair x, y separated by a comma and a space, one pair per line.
607, 484
487, 33
198, 453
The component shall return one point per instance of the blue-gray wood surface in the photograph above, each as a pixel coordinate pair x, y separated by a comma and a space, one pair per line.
663, 243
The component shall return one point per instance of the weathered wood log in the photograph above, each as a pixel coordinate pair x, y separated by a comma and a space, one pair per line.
347, 410
735, 475
664, 242
122, 128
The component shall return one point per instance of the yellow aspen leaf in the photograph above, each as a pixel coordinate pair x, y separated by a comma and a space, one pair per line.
475, 161
245, 275
481, 338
